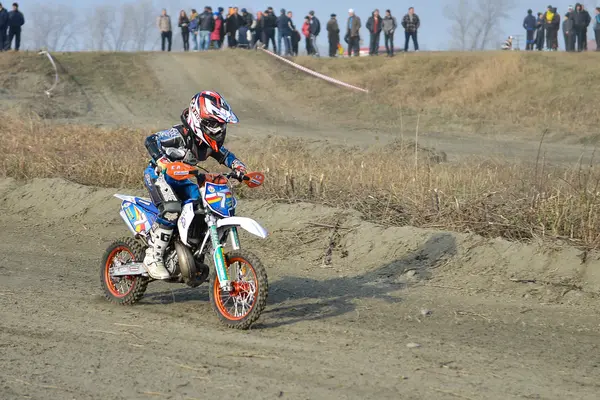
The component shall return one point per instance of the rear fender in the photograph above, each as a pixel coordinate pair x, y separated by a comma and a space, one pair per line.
246, 224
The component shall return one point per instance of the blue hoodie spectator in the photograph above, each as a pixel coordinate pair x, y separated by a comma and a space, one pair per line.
529, 24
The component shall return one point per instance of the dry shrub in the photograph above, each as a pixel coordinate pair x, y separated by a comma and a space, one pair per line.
391, 185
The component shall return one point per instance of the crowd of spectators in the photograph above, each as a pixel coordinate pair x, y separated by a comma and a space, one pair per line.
542, 32
240, 28
10, 27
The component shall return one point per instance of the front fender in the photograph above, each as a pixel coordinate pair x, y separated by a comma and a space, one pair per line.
248, 224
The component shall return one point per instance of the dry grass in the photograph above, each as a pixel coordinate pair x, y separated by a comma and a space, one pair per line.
485, 92
491, 198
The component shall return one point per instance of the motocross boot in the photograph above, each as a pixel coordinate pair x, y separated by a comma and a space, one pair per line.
158, 241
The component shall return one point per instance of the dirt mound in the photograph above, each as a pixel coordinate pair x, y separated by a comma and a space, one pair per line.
330, 236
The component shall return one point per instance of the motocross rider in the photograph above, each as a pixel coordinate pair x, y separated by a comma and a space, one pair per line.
200, 135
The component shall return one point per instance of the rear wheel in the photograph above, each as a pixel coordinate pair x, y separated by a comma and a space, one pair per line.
241, 307
124, 290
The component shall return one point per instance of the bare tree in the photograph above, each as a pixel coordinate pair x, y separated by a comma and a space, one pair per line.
53, 27
99, 25
475, 22
142, 17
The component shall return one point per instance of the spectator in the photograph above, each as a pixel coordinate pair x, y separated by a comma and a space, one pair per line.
353, 33
507, 45
247, 18
215, 35
556, 25
315, 29
582, 20
284, 33
306, 33
411, 24
257, 29
374, 27
222, 33
539, 32
529, 24
568, 27
244, 36
333, 34
184, 24
206, 26
588, 21
3, 26
597, 27
552, 23
269, 25
389, 27
193, 27
164, 25
231, 27
295, 34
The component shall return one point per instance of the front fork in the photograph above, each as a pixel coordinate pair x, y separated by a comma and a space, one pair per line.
219, 254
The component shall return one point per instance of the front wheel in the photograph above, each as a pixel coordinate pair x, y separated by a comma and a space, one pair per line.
241, 307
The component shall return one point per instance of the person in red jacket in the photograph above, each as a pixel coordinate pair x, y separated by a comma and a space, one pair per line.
306, 33
215, 35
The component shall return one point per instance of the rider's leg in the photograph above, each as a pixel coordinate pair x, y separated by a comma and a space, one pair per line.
164, 197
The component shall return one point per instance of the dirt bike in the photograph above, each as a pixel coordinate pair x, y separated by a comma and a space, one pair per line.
238, 281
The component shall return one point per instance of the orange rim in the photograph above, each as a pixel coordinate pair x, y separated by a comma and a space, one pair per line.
243, 295
110, 281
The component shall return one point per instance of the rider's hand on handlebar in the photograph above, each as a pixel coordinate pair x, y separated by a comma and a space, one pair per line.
237, 174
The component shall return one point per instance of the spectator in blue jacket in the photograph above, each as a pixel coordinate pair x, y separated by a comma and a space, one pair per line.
3, 26
15, 21
284, 32
529, 24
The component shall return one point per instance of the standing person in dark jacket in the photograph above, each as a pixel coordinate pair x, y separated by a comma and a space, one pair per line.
15, 21
539, 32
333, 34
374, 25
588, 21
3, 26
206, 27
556, 28
353, 33
389, 27
580, 19
256, 29
411, 24
184, 23
295, 38
231, 27
315, 29
269, 25
552, 23
284, 33
568, 27
529, 24
548, 17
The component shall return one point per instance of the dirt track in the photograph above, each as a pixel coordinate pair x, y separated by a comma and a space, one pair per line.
328, 333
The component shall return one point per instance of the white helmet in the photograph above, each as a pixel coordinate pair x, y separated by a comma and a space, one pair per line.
208, 116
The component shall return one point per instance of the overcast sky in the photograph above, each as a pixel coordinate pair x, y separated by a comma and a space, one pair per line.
433, 35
